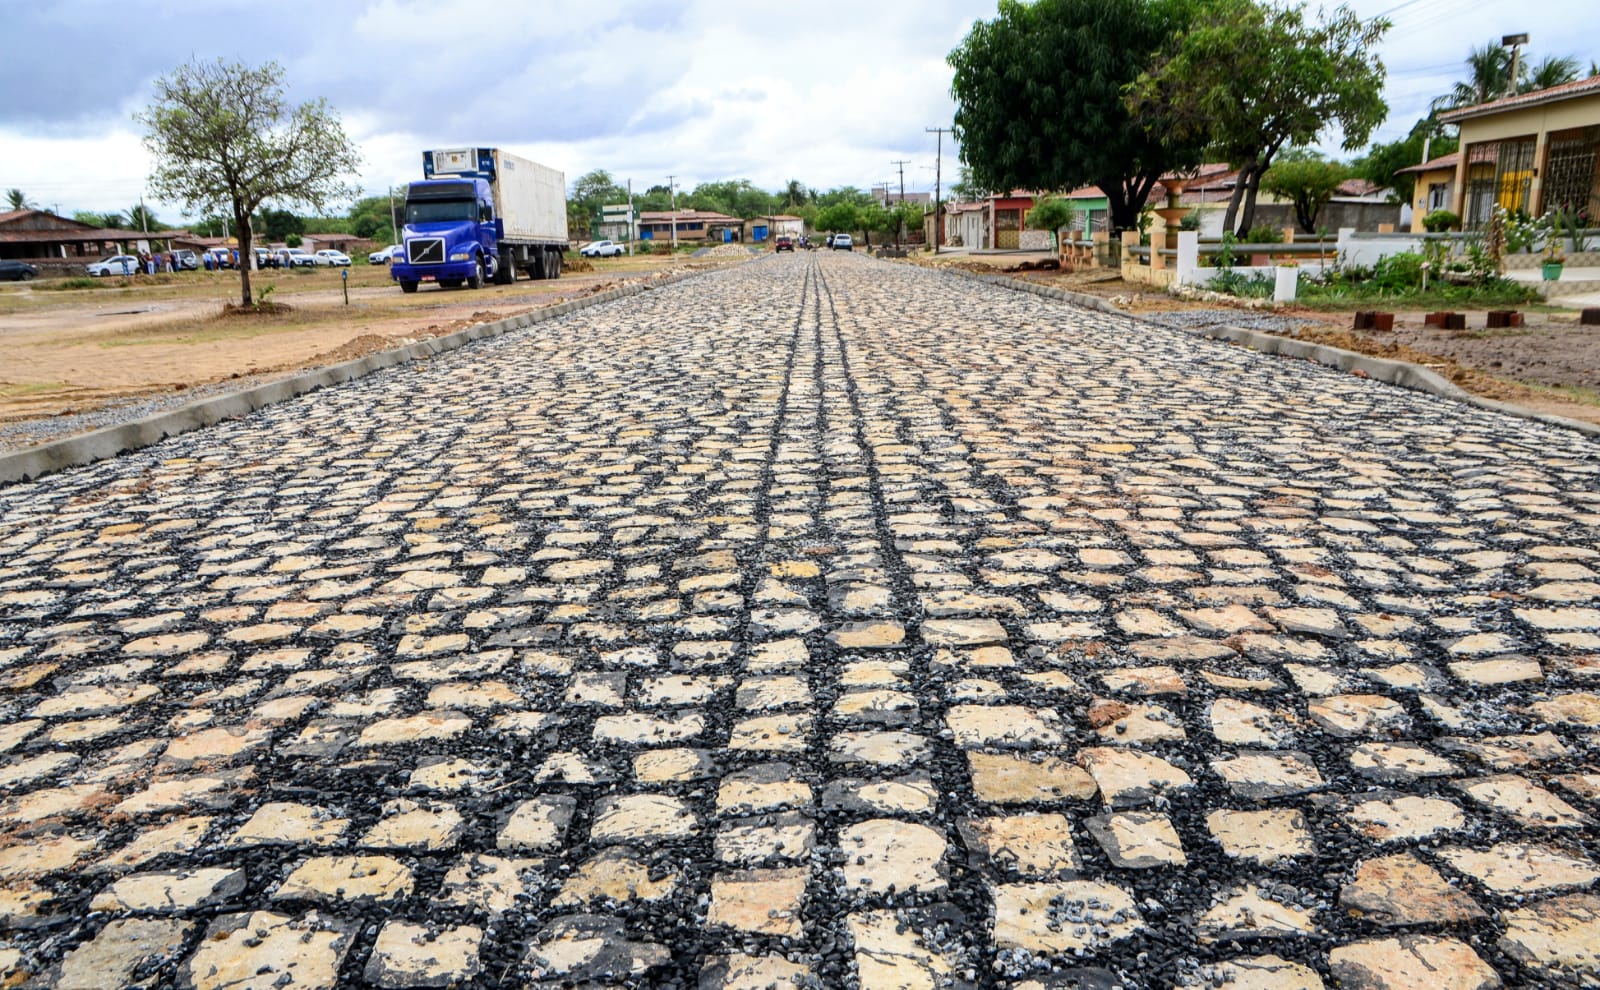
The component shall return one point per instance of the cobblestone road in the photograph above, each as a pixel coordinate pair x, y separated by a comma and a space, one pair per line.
822, 622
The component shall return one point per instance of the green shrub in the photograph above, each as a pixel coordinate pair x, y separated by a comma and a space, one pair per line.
1440, 221
1399, 272
644, 247
1262, 234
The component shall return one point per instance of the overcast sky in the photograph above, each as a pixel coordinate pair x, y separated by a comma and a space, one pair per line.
824, 91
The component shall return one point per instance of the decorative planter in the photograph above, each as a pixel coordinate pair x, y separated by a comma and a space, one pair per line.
1551, 270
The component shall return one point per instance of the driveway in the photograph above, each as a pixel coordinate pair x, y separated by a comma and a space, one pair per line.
819, 622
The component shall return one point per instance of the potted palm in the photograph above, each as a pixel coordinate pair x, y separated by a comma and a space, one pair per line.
1550, 265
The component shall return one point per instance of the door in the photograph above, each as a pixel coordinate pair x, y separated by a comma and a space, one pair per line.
1007, 224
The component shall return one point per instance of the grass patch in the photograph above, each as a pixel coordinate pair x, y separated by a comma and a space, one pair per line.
76, 282
1358, 295
1580, 394
19, 390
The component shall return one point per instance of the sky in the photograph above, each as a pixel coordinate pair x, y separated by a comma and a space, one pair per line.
829, 92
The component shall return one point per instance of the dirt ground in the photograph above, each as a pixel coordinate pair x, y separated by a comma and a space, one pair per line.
73, 351
1551, 365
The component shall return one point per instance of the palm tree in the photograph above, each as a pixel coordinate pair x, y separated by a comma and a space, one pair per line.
1550, 72
1489, 78
794, 194
140, 218
114, 221
16, 199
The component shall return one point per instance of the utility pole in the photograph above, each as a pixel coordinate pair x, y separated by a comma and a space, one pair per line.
633, 231
1515, 41
938, 198
672, 187
898, 221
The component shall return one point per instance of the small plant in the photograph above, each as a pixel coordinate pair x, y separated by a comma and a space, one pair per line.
1440, 221
1521, 230
1262, 234
1398, 272
266, 291
1552, 252
1190, 221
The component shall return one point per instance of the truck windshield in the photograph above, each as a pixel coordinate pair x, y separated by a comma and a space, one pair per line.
440, 210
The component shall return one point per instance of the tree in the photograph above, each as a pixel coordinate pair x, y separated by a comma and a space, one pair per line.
1039, 100
277, 225
89, 217
839, 218
1382, 163
795, 195
16, 199
1260, 79
1488, 78
1308, 182
1052, 213
370, 218
114, 221
1550, 71
140, 217
224, 137
906, 215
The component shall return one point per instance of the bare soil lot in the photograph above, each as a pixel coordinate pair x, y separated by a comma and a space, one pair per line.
1551, 365
76, 351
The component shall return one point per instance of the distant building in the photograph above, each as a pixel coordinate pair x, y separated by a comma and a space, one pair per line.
58, 244
692, 225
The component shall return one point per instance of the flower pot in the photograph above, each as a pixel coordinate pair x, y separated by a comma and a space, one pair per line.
1551, 270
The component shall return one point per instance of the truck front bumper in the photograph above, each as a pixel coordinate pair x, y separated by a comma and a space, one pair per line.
404, 272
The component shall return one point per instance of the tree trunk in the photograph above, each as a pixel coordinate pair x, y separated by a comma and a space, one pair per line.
242, 224
1247, 217
1232, 213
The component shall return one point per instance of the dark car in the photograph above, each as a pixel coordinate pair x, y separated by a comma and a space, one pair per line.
784, 242
17, 271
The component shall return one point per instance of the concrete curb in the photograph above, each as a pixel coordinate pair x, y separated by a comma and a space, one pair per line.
86, 448
1386, 370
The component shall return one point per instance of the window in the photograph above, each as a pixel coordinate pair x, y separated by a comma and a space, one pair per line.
1438, 196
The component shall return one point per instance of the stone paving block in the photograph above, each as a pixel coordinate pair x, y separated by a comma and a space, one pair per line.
719, 609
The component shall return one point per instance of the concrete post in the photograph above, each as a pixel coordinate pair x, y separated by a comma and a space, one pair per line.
1188, 256
1158, 240
1130, 239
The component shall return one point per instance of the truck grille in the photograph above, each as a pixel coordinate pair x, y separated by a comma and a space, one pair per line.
425, 250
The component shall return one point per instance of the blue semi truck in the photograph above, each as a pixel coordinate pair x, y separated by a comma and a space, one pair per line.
480, 215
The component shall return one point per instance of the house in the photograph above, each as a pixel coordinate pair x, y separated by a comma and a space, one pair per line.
965, 224
691, 225
758, 229
337, 242
1532, 152
1009, 213
1435, 187
60, 244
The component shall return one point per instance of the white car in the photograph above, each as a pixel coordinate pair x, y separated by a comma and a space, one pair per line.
117, 264
387, 255
602, 249
289, 257
328, 256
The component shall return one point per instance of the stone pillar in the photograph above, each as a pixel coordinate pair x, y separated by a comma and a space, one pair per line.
1130, 239
1188, 256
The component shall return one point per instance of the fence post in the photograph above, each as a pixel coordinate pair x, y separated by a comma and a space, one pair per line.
1188, 256
1130, 239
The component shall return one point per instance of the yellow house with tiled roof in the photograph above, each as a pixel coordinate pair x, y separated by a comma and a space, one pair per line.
1533, 152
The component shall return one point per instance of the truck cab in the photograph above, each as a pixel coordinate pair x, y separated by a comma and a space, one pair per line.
451, 234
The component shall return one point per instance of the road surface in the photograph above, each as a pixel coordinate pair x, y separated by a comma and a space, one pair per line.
821, 622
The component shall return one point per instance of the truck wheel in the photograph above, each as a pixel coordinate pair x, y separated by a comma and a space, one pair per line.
505, 272
552, 265
536, 267
408, 286
475, 281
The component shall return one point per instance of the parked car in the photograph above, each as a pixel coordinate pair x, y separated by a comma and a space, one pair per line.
843, 242
387, 255
336, 259
602, 249
221, 257
116, 264
185, 260
289, 257
784, 242
17, 271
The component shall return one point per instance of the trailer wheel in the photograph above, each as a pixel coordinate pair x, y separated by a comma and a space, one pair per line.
408, 286
552, 265
536, 267
475, 280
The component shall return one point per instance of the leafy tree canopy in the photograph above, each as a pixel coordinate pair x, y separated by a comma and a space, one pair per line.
371, 218
596, 189
1308, 182
1039, 100
224, 137
839, 218
1382, 162
1052, 213
1257, 79
16, 199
